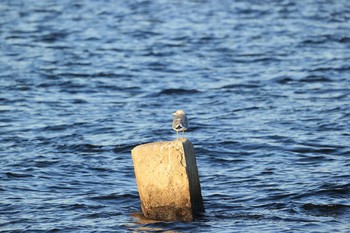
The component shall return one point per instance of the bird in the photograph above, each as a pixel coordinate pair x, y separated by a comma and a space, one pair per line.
180, 122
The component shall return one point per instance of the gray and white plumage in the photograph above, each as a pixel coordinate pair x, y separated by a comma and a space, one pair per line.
180, 122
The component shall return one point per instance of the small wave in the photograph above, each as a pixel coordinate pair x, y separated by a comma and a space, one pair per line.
114, 196
326, 209
55, 127
228, 216
53, 37
175, 91
45, 163
81, 148
79, 101
340, 191
101, 169
112, 75
311, 150
65, 186
282, 80
315, 79
306, 79
59, 46
344, 39
229, 142
312, 159
123, 148
326, 39
241, 86
117, 88
17, 175
274, 205
3, 100
314, 41
331, 68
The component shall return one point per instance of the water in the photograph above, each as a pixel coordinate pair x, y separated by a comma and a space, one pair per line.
265, 84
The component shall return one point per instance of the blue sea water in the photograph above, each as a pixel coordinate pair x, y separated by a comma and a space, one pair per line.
265, 84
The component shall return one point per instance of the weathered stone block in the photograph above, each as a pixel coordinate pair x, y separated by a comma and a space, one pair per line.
167, 180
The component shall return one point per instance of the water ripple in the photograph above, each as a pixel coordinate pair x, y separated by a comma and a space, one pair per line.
265, 86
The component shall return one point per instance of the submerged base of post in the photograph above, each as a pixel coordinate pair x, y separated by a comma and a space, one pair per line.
167, 180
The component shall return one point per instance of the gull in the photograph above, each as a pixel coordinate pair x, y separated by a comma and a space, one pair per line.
180, 122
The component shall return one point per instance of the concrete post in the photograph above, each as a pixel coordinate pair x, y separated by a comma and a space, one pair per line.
167, 180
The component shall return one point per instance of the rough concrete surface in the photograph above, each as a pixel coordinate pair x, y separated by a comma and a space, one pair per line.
167, 179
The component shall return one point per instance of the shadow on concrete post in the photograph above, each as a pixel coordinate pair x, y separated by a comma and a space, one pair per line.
167, 180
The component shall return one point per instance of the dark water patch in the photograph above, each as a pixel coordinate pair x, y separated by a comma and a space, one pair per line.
344, 151
158, 53
246, 216
328, 190
157, 66
72, 75
113, 75
275, 196
273, 206
313, 159
52, 37
226, 158
144, 34
326, 39
341, 189
115, 199
56, 46
79, 101
114, 196
344, 39
268, 171
4, 100
329, 127
307, 79
17, 175
326, 209
79, 206
87, 148
241, 86
46, 163
261, 59
103, 214
178, 91
102, 86
315, 79
77, 63
48, 84
62, 186
56, 127
282, 80
313, 150
57, 138
123, 148
201, 150
102, 169
254, 108
342, 68
229, 143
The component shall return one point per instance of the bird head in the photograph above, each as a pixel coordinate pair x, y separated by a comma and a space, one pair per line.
178, 112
